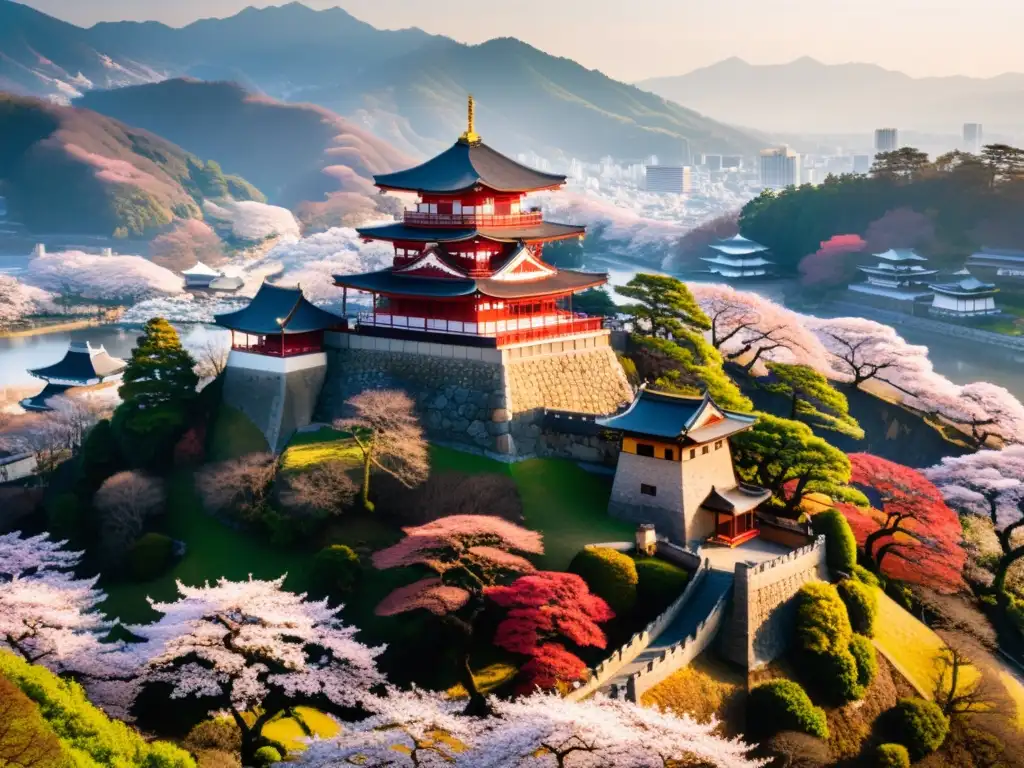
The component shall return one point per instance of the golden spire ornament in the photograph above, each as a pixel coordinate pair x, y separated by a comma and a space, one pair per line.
470, 136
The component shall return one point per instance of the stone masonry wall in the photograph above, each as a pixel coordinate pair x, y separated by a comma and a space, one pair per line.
761, 624
459, 400
277, 403
487, 400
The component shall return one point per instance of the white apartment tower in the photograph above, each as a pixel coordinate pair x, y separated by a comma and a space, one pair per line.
887, 140
973, 140
669, 179
780, 168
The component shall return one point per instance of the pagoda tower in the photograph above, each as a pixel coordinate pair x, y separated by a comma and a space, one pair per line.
469, 282
82, 366
898, 281
737, 257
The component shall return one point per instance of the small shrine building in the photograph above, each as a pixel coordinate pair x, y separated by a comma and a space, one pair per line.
898, 276
966, 298
675, 469
83, 365
739, 258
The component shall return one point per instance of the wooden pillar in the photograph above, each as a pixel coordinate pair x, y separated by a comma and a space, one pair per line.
373, 304
572, 317
344, 303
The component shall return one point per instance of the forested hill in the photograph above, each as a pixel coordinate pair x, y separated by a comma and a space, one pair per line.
407, 86
292, 152
71, 170
948, 208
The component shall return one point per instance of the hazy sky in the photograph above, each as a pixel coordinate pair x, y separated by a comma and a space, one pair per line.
632, 39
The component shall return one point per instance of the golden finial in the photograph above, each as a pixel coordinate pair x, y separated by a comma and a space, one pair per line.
470, 136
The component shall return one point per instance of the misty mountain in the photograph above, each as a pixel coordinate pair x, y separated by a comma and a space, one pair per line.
64, 169
43, 56
806, 96
406, 86
292, 152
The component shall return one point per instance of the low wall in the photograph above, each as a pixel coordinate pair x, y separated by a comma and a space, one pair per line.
793, 535
638, 643
761, 623
679, 655
684, 558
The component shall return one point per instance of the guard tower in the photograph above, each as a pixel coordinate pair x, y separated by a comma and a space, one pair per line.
277, 364
675, 469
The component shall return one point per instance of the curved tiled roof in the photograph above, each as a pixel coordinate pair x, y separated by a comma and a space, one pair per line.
399, 231
82, 362
388, 282
675, 417
463, 166
276, 310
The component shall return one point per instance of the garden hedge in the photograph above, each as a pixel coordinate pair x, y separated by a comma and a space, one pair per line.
861, 606
918, 725
892, 756
610, 574
840, 544
867, 663
336, 569
267, 756
865, 576
822, 624
790, 709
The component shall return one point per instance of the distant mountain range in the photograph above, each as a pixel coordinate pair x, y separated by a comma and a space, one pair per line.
68, 170
806, 96
292, 152
406, 86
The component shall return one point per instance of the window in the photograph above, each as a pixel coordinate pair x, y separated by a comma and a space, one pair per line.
693, 453
642, 449
669, 454
704, 450
469, 210
457, 206
718, 444
648, 490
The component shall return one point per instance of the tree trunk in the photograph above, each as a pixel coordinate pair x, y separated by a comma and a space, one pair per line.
792, 407
365, 493
1008, 559
477, 706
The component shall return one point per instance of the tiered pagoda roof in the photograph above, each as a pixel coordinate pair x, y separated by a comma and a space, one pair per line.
541, 231
969, 286
200, 270
687, 420
738, 256
81, 365
276, 310
466, 165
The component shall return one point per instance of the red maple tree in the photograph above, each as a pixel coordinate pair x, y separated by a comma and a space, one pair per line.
546, 607
909, 533
831, 265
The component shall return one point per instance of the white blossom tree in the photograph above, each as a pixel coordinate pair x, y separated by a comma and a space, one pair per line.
750, 329
417, 729
51, 436
989, 484
253, 647
18, 301
101, 278
48, 616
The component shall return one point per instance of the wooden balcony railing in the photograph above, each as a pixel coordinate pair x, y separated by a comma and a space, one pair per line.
275, 350
526, 219
504, 332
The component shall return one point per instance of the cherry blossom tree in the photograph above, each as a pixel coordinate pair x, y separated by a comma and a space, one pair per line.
54, 435
909, 533
749, 328
899, 228
831, 266
543, 608
48, 616
189, 241
983, 411
114, 278
467, 554
238, 486
125, 501
326, 487
18, 301
252, 221
423, 730
385, 428
989, 484
253, 647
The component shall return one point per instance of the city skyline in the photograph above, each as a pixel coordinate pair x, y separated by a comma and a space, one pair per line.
919, 41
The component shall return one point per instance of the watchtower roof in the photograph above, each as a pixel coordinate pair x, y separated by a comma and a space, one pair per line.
277, 310
82, 363
678, 418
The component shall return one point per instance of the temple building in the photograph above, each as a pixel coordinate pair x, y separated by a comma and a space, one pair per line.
898, 277
1002, 266
965, 298
82, 366
675, 469
737, 257
277, 363
468, 266
202, 276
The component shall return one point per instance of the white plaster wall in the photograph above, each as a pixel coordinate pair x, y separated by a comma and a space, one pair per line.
699, 475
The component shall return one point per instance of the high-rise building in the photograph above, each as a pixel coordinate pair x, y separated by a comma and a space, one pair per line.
862, 164
887, 140
780, 167
713, 162
732, 161
669, 179
973, 141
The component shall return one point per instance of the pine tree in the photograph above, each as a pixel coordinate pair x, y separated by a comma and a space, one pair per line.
158, 387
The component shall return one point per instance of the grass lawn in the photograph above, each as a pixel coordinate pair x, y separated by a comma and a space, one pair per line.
307, 722
307, 449
912, 647
234, 435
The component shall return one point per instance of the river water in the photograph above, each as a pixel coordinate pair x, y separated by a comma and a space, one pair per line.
961, 360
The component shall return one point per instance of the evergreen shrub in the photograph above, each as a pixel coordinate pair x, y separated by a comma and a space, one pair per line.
790, 709
150, 556
659, 584
840, 544
867, 662
336, 569
267, 756
610, 574
861, 606
919, 725
892, 756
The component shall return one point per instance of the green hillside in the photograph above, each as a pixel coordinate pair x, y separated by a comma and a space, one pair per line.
72, 170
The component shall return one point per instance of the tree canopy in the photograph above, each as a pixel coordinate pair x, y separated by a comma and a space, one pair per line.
813, 399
